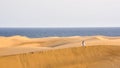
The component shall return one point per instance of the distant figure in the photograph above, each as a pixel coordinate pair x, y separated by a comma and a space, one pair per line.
83, 43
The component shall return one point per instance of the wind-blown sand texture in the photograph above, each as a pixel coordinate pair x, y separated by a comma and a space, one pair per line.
60, 52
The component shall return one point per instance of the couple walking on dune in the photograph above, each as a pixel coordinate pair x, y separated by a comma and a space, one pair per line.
83, 43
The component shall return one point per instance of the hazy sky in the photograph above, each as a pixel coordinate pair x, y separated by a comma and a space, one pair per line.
59, 13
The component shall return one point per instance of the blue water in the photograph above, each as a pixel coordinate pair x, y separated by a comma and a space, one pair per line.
47, 32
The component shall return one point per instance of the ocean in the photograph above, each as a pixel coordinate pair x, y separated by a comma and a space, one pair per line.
61, 32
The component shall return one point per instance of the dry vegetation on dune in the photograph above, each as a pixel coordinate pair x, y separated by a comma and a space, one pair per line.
76, 57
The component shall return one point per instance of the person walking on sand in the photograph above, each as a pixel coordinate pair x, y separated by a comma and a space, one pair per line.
83, 43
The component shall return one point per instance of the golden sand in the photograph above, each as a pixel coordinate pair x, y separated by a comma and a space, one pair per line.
60, 52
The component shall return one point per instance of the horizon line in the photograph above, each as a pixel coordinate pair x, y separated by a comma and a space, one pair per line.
59, 27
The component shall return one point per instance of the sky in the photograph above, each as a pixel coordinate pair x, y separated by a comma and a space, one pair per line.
59, 13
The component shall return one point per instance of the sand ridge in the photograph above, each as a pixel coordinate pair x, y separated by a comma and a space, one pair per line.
76, 57
24, 44
60, 52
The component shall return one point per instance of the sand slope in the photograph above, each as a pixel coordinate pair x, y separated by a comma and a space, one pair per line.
60, 52
79, 57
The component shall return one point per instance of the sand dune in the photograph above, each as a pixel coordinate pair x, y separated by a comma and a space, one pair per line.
79, 57
60, 52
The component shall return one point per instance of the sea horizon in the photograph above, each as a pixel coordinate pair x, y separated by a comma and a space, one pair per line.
61, 32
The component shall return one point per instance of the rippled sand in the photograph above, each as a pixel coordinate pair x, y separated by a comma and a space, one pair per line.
60, 52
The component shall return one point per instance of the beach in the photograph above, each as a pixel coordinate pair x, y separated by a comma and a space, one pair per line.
60, 52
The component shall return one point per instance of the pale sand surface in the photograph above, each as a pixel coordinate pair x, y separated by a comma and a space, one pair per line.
60, 52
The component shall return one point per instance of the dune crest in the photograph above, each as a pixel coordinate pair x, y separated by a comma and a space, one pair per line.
76, 57
60, 52
49, 41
